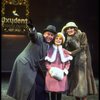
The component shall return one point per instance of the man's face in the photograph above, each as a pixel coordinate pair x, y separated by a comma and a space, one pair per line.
48, 36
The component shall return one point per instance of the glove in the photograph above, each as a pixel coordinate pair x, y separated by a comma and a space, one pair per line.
65, 71
47, 58
32, 31
70, 58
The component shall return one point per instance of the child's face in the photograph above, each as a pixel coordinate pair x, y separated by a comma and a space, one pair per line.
58, 40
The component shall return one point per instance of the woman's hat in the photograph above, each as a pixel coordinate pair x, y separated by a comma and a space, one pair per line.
61, 35
50, 28
69, 24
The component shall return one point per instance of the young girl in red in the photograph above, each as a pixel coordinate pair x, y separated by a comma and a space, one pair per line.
57, 64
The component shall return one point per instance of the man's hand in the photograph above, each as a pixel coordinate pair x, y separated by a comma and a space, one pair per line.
30, 24
32, 31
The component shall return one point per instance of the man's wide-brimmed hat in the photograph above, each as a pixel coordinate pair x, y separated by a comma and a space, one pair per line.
50, 28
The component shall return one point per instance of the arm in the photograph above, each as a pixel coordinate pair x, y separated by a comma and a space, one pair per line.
75, 51
83, 41
32, 33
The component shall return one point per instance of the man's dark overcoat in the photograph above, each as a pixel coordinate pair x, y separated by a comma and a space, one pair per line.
24, 70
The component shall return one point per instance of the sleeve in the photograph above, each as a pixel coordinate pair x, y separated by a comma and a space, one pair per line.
76, 51
83, 40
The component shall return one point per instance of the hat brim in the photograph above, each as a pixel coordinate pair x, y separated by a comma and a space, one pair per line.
65, 28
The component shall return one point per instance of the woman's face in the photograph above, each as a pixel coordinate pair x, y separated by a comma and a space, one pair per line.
70, 31
58, 40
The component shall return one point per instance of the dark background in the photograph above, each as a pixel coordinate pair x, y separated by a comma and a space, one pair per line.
85, 13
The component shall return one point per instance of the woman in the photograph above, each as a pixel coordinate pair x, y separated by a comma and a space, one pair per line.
57, 59
82, 82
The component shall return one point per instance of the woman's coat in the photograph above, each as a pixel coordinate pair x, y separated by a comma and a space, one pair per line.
82, 81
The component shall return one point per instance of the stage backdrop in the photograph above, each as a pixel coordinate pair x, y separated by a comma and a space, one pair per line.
15, 15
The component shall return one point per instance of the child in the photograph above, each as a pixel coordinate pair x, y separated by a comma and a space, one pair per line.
57, 59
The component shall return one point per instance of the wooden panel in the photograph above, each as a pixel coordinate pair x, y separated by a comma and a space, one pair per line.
12, 45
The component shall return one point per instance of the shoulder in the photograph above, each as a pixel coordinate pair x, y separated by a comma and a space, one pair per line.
40, 36
81, 34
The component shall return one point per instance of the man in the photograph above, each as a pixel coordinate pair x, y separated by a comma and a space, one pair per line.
26, 77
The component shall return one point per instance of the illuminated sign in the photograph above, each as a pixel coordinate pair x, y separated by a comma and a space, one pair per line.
15, 15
